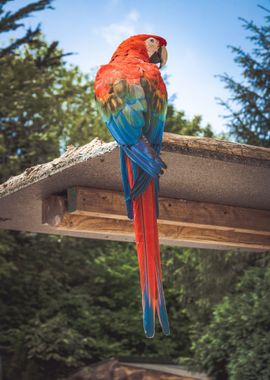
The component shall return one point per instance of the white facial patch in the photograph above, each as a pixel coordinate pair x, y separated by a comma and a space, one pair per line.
152, 45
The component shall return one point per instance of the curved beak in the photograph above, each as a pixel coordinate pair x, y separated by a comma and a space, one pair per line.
160, 56
163, 56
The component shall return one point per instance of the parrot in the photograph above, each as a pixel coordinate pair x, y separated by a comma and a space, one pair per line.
131, 97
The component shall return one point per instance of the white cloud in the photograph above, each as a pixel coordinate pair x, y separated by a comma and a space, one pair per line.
114, 3
133, 16
117, 32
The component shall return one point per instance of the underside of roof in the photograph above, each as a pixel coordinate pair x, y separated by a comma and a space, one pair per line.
202, 174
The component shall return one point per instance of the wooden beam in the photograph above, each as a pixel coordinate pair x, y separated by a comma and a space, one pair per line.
102, 212
169, 234
110, 204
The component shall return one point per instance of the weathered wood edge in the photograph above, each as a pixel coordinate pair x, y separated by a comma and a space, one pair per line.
217, 149
71, 157
187, 145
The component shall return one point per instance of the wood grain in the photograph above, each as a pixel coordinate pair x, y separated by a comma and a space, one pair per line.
110, 204
169, 234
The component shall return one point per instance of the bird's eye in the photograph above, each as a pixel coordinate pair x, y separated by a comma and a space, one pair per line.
152, 40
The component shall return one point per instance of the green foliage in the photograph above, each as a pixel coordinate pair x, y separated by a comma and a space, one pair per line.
248, 106
68, 302
10, 21
44, 106
236, 344
177, 122
209, 280
208, 276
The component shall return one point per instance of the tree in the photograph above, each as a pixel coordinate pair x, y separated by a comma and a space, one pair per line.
249, 104
177, 122
228, 340
11, 21
236, 344
74, 303
41, 100
43, 104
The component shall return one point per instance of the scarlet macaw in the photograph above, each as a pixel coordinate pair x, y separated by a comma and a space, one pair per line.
132, 99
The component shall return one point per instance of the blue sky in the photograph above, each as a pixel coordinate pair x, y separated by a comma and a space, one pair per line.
197, 31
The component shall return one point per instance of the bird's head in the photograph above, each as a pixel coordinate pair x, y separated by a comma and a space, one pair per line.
147, 47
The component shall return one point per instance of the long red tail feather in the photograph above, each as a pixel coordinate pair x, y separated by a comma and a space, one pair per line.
147, 243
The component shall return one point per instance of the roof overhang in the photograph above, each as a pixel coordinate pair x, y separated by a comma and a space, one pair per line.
222, 180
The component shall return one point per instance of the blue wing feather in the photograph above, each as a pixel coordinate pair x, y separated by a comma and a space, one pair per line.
136, 117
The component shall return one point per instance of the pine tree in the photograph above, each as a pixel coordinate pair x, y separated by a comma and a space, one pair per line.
42, 102
11, 21
249, 105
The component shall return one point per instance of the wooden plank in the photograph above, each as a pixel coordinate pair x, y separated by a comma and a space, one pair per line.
169, 234
110, 204
55, 214
96, 202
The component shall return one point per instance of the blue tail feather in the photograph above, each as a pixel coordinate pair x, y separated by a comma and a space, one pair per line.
148, 316
126, 184
140, 184
161, 304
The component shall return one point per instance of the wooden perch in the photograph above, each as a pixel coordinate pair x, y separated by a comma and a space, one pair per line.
103, 212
